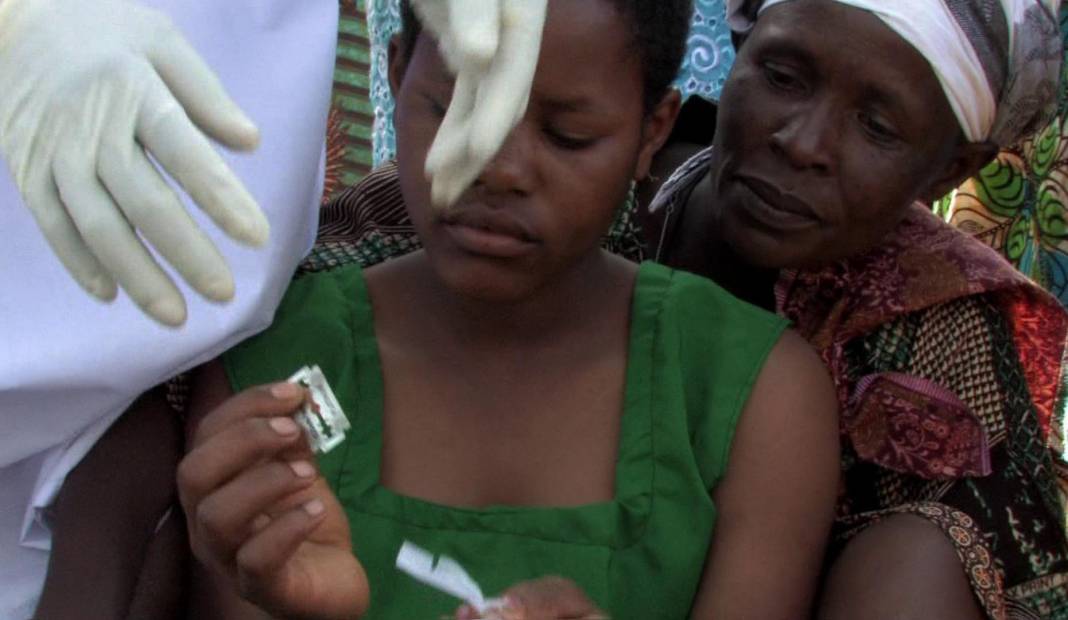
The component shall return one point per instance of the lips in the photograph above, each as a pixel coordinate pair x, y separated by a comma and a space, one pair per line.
778, 199
776, 209
489, 232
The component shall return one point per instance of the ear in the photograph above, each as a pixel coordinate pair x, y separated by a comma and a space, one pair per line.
398, 64
968, 160
656, 128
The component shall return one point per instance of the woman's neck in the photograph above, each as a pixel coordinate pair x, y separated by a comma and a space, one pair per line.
697, 247
587, 293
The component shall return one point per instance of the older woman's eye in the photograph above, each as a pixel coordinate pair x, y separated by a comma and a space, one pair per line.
781, 77
878, 130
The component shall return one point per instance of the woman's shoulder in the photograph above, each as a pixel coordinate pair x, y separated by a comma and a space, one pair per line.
318, 320
699, 305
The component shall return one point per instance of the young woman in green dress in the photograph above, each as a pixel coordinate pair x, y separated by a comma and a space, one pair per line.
570, 426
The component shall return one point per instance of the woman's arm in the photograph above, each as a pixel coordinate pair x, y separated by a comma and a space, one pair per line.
263, 525
210, 596
110, 557
776, 502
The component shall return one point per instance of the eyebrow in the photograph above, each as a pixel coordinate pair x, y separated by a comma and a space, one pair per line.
781, 41
579, 105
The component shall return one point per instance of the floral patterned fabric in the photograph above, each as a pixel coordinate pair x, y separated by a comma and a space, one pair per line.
949, 367
1019, 203
708, 60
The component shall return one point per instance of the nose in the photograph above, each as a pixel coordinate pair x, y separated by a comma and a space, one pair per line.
808, 138
511, 171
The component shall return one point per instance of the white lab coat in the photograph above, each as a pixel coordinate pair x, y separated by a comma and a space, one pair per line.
69, 365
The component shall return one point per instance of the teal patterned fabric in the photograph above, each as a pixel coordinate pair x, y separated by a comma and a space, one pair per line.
704, 69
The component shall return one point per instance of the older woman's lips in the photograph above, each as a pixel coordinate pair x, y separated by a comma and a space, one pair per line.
775, 208
489, 232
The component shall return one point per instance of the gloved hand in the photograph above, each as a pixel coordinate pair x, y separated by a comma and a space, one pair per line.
492, 46
90, 89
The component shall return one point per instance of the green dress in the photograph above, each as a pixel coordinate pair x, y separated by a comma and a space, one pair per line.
639, 556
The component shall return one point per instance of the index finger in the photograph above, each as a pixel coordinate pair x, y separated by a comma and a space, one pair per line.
166, 132
264, 401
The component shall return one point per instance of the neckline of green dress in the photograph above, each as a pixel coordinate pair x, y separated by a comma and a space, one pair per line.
614, 523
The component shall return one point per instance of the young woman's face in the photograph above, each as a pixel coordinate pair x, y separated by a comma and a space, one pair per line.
544, 202
829, 127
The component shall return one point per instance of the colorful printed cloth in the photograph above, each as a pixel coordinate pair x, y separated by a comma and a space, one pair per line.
704, 69
949, 366
1019, 203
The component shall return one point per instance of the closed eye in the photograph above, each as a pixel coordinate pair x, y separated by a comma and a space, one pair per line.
782, 77
878, 130
568, 142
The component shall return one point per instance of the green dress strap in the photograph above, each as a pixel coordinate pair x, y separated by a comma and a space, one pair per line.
693, 355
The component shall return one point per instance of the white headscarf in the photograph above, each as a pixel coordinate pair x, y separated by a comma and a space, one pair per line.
998, 61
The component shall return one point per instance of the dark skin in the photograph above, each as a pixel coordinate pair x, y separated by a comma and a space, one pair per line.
542, 320
135, 568
819, 150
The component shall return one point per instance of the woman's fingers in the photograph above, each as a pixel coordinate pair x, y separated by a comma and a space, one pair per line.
225, 519
278, 399
221, 458
261, 558
550, 598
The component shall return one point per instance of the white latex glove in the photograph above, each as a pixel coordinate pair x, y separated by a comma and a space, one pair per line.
89, 89
492, 46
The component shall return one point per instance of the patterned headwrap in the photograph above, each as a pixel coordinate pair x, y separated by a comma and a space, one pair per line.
998, 61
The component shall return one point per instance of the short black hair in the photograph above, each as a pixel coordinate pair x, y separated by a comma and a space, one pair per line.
659, 29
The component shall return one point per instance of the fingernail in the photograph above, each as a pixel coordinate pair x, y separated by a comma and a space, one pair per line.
261, 231
170, 312
218, 287
260, 522
102, 288
285, 390
284, 426
251, 225
303, 469
314, 508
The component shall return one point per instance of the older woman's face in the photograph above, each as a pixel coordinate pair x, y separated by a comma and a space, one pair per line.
829, 127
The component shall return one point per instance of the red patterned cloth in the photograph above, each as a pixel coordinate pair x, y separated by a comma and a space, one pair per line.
924, 263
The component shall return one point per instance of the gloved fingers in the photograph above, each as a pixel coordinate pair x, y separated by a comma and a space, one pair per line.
181, 149
66, 242
451, 142
434, 17
154, 209
476, 28
452, 180
110, 237
505, 90
201, 93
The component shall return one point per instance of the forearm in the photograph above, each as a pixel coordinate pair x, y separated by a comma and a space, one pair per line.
107, 512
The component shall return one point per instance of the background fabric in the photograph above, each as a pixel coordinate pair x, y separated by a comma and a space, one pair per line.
705, 67
1018, 204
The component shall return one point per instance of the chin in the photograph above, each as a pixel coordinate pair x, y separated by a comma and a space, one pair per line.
487, 283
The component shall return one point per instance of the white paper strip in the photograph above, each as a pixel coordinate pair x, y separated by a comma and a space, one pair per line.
444, 574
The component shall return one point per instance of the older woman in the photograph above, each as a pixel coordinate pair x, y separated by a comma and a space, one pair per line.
840, 116
947, 362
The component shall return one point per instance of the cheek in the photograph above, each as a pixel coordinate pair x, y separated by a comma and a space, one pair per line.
593, 187
876, 192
